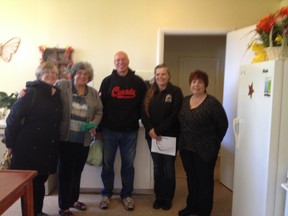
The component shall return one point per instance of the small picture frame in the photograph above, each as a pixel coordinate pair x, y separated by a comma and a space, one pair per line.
62, 57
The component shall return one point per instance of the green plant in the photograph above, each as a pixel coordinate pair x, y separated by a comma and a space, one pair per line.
7, 100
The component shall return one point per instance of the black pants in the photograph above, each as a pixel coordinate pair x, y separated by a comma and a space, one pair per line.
38, 193
200, 181
72, 160
164, 175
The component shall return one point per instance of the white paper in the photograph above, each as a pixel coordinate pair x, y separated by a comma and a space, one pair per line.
167, 145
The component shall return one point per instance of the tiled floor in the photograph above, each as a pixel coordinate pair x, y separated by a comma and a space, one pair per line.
143, 207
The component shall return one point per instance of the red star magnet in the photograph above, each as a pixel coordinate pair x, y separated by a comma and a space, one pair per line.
251, 90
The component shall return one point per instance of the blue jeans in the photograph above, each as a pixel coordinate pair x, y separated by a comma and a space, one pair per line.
127, 144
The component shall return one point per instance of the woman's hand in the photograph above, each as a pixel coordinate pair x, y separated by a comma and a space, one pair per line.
153, 135
92, 132
9, 151
22, 93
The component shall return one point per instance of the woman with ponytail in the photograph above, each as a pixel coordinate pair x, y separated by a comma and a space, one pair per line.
160, 109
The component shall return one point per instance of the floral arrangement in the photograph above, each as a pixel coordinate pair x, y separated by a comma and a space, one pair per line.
271, 31
275, 24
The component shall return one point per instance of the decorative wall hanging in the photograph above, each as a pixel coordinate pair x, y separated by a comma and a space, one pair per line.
62, 57
8, 48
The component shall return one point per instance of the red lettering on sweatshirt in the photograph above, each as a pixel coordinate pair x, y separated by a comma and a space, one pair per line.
123, 94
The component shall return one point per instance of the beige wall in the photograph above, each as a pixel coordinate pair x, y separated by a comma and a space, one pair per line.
96, 29
283, 3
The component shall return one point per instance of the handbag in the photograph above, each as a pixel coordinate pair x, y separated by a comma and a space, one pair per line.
95, 155
6, 161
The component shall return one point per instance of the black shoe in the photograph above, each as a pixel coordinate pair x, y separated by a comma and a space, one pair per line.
157, 204
65, 213
185, 212
166, 204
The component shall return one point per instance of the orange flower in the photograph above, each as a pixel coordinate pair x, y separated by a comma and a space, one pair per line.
283, 11
69, 49
42, 48
266, 24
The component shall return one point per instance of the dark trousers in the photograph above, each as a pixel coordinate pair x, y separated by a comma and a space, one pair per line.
38, 193
164, 175
200, 181
72, 160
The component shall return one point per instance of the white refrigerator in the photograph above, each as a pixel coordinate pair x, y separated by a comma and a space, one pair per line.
261, 137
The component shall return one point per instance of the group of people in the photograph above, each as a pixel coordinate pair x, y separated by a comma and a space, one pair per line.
51, 126
199, 123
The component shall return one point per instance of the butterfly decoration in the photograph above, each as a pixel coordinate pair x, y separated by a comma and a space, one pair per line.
8, 48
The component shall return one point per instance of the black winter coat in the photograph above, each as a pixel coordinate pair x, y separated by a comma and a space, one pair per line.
35, 142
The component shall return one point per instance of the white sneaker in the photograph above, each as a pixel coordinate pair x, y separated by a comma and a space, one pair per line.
105, 202
128, 203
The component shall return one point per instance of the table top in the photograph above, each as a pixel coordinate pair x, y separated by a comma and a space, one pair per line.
11, 180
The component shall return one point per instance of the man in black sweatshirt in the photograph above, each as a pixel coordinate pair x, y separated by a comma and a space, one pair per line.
122, 94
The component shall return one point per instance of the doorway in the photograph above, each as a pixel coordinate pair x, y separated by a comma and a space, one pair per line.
186, 53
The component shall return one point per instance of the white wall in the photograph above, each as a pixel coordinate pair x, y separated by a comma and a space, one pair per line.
96, 29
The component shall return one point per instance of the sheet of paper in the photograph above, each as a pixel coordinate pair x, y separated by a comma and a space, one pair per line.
167, 145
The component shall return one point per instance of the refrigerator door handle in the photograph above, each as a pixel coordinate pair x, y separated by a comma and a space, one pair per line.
236, 131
